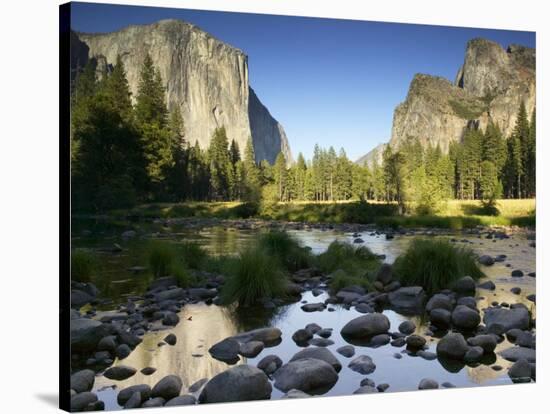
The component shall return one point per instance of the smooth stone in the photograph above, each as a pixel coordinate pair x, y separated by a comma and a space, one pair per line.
154, 402
384, 274
318, 353
86, 333
520, 371
366, 326
515, 290
124, 395
465, 286
347, 351
362, 364
305, 375
427, 355
181, 400
515, 353
452, 346
134, 401
415, 341
321, 342
265, 335
301, 336
428, 384
325, 333
488, 285
312, 328
81, 401
464, 317
487, 342
119, 372
171, 339
407, 327
168, 387
314, 307
271, 363
226, 350
148, 371
240, 383
366, 389
197, 385
107, 343
367, 381
474, 354
486, 260
440, 318
439, 301
122, 351
517, 273
251, 349
507, 318
83, 381
409, 300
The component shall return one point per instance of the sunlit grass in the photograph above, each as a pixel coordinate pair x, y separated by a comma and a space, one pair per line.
454, 214
254, 275
286, 249
435, 264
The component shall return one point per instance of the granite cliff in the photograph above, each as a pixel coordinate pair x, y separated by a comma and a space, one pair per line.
206, 80
489, 86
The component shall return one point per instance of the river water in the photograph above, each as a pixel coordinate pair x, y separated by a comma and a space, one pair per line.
201, 326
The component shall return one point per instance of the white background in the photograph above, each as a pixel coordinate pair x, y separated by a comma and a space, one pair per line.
29, 201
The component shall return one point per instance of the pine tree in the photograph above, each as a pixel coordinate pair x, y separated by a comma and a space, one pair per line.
520, 152
531, 160
280, 176
300, 177
251, 174
151, 114
221, 168
108, 164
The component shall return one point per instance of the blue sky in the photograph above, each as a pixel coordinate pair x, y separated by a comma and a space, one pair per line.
327, 81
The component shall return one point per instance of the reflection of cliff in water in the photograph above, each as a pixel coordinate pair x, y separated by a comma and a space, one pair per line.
189, 358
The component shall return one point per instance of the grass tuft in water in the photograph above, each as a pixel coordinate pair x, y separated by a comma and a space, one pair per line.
83, 265
435, 264
286, 249
348, 265
168, 259
254, 275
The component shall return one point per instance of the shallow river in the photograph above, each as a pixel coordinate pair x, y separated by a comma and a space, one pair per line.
201, 325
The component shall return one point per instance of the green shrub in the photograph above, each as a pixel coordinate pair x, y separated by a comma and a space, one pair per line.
252, 276
83, 265
435, 264
167, 259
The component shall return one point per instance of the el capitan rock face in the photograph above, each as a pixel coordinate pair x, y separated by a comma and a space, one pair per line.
206, 80
490, 85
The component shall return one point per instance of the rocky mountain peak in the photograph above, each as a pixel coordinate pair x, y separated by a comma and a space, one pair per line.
490, 86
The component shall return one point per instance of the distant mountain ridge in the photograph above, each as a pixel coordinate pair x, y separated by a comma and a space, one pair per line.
490, 86
206, 80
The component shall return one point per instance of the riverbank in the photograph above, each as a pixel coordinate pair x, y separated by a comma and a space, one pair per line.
454, 214
183, 338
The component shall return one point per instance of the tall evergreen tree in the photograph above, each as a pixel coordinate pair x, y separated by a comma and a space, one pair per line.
151, 117
221, 168
280, 176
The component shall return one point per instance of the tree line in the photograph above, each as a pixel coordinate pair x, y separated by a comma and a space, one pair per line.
125, 152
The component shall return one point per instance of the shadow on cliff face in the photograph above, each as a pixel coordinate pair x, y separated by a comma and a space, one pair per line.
268, 136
